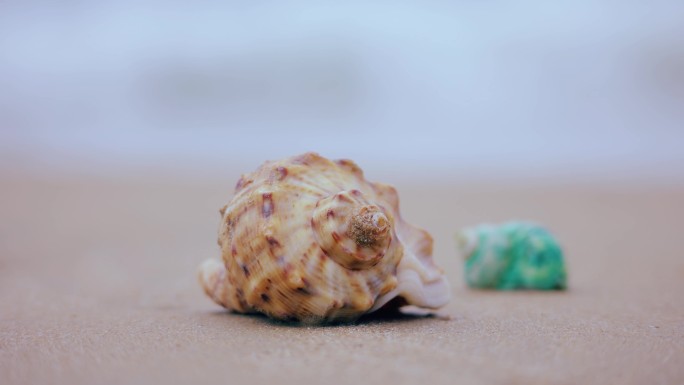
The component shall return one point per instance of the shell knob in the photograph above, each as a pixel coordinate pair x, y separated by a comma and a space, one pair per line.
351, 230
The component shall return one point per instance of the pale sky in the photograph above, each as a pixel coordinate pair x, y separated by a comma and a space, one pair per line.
579, 90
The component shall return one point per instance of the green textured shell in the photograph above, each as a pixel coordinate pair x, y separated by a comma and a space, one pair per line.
515, 255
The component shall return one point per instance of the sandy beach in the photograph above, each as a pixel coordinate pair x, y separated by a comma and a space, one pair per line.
98, 286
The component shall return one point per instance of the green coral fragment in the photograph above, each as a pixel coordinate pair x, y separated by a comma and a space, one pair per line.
514, 255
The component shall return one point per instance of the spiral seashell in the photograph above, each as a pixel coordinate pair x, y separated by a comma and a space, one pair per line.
310, 239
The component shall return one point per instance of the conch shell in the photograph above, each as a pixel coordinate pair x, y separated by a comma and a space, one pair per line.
309, 239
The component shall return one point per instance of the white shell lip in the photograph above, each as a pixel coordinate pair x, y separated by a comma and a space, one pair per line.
430, 295
419, 285
209, 269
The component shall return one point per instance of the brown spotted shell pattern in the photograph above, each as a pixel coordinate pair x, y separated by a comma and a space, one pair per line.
310, 239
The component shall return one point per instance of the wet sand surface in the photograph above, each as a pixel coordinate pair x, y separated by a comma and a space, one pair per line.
98, 286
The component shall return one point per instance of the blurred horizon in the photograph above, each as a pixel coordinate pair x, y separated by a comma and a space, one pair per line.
568, 91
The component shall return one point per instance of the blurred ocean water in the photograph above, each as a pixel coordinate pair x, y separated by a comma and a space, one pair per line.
589, 90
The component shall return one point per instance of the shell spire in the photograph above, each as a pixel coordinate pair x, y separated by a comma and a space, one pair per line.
351, 230
310, 239
368, 226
